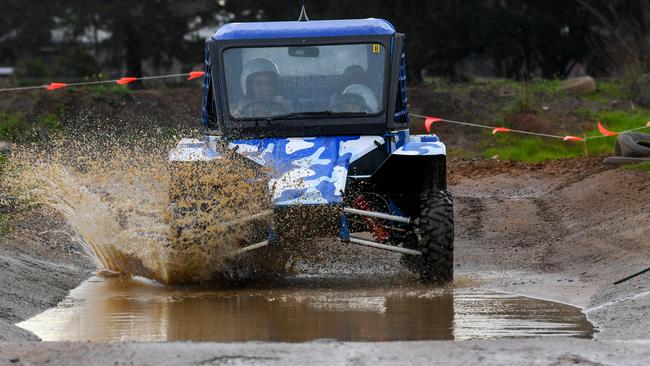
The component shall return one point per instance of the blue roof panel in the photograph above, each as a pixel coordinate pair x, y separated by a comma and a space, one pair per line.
308, 29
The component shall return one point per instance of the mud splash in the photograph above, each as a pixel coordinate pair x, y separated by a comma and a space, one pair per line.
297, 310
114, 190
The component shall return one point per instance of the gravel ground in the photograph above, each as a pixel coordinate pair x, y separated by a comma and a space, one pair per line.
563, 231
502, 352
39, 265
622, 311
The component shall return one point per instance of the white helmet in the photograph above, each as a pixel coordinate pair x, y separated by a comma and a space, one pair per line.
255, 66
365, 93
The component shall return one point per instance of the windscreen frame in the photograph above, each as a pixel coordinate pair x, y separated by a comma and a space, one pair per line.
360, 125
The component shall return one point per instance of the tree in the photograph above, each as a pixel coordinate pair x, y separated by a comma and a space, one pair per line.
621, 39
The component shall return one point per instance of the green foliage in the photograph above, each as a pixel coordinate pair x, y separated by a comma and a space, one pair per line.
31, 69
50, 121
535, 149
619, 120
547, 86
644, 167
608, 89
532, 149
526, 101
528, 95
75, 62
611, 88
12, 126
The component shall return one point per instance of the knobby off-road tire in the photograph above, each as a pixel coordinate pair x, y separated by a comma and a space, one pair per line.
434, 237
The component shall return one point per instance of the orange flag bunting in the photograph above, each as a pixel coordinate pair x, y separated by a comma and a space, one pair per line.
500, 129
428, 121
195, 74
604, 131
54, 86
126, 80
572, 138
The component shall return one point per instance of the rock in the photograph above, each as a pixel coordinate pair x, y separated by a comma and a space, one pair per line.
4, 147
583, 85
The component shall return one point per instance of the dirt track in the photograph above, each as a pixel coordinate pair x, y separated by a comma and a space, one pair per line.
562, 231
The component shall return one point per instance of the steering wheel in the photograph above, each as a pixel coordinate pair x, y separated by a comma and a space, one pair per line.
274, 107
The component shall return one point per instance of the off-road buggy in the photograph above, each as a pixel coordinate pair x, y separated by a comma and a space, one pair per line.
320, 110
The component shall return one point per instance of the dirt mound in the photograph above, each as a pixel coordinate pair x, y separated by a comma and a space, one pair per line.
532, 122
478, 168
117, 109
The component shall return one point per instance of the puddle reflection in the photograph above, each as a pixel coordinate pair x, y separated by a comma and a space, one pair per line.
139, 310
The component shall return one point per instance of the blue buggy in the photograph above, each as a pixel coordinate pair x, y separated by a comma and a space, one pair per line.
320, 109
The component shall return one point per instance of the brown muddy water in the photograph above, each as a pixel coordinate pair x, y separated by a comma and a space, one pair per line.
297, 310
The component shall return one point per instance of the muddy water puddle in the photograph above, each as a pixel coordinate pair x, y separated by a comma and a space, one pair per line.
302, 310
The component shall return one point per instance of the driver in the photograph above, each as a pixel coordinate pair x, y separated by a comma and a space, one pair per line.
259, 82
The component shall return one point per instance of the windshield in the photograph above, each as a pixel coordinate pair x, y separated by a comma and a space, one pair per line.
266, 82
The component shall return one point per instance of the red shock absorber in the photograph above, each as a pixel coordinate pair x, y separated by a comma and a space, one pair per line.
374, 225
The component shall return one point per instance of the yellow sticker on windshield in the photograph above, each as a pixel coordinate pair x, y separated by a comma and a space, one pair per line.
376, 48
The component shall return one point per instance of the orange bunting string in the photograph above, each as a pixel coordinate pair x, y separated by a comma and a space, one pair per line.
500, 129
195, 74
572, 138
428, 121
54, 86
126, 80
604, 131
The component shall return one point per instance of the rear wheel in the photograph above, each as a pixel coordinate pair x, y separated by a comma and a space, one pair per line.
433, 235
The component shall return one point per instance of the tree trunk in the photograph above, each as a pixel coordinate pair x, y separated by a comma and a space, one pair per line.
133, 49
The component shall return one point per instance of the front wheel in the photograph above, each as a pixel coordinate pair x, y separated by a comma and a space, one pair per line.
434, 236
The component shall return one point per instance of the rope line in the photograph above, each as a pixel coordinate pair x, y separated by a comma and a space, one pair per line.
496, 129
124, 80
196, 74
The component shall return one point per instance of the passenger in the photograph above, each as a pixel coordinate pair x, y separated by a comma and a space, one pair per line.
355, 98
354, 74
259, 83
349, 103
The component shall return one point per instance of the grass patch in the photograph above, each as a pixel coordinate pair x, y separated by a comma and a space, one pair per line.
545, 86
611, 88
644, 167
50, 121
12, 126
532, 149
536, 149
528, 97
